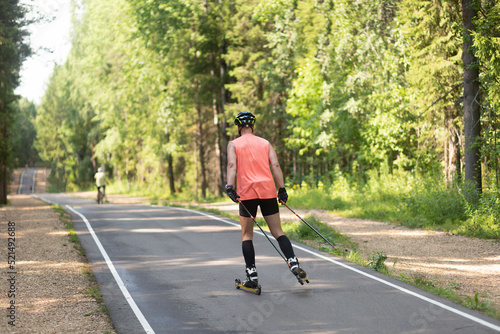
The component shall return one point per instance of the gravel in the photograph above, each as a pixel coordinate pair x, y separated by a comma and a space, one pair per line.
49, 279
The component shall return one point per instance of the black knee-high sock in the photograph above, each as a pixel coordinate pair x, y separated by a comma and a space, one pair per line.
286, 246
248, 253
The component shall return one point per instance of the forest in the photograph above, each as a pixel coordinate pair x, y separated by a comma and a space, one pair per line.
380, 101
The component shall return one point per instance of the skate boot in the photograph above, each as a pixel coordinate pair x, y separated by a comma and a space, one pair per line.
295, 268
252, 280
251, 284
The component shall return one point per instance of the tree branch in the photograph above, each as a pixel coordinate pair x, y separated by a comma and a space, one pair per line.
442, 97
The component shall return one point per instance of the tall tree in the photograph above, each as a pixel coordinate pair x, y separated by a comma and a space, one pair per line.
472, 112
24, 134
487, 48
432, 31
13, 50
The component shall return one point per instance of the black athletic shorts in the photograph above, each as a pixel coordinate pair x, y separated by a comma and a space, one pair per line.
267, 207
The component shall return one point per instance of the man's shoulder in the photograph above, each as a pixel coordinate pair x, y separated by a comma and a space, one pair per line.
250, 137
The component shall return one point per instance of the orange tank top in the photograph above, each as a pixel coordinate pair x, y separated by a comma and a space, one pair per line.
254, 177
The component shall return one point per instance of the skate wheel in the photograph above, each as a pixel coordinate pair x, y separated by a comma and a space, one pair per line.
237, 281
258, 291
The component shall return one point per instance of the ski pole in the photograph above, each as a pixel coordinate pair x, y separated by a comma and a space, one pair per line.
334, 247
265, 234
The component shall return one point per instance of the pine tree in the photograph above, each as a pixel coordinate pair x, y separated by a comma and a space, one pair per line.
13, 50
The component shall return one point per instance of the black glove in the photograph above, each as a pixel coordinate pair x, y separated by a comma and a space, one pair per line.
282, 195
232, 195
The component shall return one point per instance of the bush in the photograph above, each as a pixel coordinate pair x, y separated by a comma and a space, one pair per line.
433, 204
483, 221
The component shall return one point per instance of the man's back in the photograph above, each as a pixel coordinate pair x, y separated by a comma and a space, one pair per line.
254, 178
100, 179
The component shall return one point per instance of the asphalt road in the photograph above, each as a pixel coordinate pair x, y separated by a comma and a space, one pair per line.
171, 270
27, 181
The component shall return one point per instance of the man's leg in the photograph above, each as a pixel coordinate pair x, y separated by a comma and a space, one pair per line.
274, 223
248, 250
246, 241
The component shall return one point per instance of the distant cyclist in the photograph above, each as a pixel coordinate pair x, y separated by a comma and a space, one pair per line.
100, 181
248, 160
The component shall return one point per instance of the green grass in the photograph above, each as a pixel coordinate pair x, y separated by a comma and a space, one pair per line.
450, 292
406, 199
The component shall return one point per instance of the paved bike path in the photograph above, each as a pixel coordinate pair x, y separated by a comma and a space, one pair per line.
173, 270
27, 181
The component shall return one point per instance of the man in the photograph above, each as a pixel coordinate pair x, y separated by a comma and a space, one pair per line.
248, 160
100, 181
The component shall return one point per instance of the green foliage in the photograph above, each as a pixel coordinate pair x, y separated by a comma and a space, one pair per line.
487, 46
21, 141
487, 50
433, 204
13, 51
377, 262
62, 133
351, 95
475, 304
404, 198
482, 221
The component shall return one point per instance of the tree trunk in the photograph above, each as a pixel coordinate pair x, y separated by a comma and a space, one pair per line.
452, 156
3, 183
3, 161
170, 161
201, 152
472, 125
170, 165
224, 139
218, 142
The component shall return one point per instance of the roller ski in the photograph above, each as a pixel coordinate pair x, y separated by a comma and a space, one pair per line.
299, 273
251, 284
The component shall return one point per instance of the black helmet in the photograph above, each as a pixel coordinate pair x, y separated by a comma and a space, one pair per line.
245, 119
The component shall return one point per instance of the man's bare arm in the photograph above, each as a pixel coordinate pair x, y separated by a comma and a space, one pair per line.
231, 164
275, 167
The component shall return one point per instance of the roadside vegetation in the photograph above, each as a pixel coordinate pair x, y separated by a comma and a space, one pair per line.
405, 198
412, 200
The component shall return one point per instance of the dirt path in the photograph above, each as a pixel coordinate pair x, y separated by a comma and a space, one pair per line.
47, 284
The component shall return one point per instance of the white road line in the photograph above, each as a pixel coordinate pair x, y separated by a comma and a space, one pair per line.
21, 181
378, 279
123, 288
33, 185
44, 199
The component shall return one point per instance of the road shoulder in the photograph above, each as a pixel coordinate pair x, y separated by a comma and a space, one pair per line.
49, 278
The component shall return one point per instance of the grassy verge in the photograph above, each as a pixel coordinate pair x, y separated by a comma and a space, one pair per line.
407, 199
